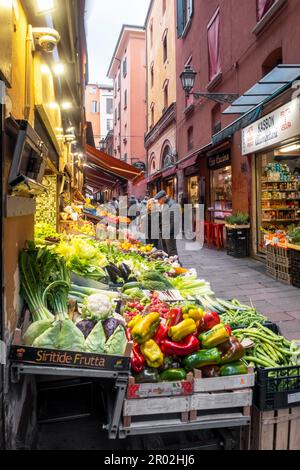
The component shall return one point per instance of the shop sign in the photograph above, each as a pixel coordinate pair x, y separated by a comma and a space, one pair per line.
140, 166
276, 127
220, 160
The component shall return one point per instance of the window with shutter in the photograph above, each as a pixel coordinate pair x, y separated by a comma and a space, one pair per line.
109, 105
125, 99
165, 46
262, 7
185, 11
125, 67
213, 37
94, 107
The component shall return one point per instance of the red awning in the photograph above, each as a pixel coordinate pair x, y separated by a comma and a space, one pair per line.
192, 160
113, 166
169, 172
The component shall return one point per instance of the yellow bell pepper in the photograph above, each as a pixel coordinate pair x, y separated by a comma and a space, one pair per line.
182, 330
153, 354
135, 321
146, 328
196, 314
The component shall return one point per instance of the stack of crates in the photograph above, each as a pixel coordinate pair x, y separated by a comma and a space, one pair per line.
295, 267
279, 263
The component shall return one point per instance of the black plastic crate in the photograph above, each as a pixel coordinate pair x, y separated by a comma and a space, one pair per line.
238, 244
277, 388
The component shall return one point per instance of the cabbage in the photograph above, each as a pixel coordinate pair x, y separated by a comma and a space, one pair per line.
117, 342
70, 338
35, 330
50, 338
96, 307
86, 326
95, 342
61, 335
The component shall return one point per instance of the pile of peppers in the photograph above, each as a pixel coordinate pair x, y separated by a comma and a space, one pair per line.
167, 347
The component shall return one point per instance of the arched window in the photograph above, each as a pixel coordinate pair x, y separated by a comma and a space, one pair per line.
273, 59
152, 164
167, 157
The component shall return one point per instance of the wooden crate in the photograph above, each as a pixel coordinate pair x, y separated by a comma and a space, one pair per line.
275, 430
218, 384
284, 273
152, 411
228, 396
161, 389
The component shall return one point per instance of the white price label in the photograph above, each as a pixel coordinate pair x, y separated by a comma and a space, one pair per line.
294, 398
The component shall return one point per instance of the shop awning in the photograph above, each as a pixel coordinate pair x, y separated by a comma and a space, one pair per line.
274, 83
250, 104
113, 166
169, 172
189, 161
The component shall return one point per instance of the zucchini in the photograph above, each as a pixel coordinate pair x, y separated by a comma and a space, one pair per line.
131, 285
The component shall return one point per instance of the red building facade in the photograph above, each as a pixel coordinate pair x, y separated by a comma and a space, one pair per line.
231, 45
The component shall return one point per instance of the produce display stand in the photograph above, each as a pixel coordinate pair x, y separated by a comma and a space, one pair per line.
121, 380
216, 403
47, 363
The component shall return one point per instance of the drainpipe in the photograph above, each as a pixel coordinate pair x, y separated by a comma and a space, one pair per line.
28, 73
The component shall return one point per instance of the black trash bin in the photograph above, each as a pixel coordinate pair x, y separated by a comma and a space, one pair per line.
238, 241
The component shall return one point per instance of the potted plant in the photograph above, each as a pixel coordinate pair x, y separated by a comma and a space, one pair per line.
238, 235
240, 220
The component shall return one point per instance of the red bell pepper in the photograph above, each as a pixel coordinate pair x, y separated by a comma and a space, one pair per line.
183, 348
137, 361
209, 320
228, 329
174, 317
128, 334
162, 333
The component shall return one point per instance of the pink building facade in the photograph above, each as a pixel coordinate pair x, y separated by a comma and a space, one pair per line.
128, 72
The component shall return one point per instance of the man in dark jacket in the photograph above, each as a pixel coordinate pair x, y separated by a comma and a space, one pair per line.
170, 225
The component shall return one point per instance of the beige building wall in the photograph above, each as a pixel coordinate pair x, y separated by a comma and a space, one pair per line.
158, 24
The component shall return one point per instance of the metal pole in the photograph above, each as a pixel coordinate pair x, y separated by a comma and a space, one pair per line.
2, 118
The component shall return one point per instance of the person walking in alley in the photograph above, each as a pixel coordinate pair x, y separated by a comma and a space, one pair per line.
169, 223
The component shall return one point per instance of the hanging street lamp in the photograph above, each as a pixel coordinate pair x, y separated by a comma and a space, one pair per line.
188, 77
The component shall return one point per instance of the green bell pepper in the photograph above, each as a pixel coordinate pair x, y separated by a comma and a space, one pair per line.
235, 368
173, 375
204, 357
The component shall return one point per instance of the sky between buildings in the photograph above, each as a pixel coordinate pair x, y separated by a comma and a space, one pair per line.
104, 20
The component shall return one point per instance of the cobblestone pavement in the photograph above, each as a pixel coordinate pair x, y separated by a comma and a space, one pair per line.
245, 279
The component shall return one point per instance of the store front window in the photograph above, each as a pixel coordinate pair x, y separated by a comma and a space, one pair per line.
193, 190
278, 191
220, 186
221, 194
169, 187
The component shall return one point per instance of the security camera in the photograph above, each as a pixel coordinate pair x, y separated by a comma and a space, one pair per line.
46, 38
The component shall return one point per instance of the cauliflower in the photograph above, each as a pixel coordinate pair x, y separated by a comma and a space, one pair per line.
97, 307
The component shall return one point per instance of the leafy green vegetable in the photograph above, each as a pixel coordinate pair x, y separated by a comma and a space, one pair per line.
240, 218
95, 342
35, 330
116, 343
39, 269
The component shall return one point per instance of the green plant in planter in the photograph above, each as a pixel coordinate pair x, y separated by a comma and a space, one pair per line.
294, 235
239, 218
